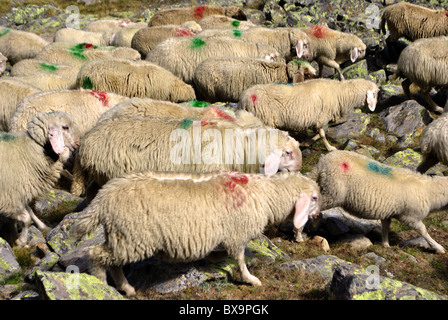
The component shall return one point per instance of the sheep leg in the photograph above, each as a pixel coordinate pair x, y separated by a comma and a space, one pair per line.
332, 64
406, 84
419, 226
431, 103
324, 138
245, 274
120, 280
25, 218
385, 228
298, 237
39, 224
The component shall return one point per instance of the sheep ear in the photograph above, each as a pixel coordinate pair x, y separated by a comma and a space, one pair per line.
301, 212
354, 54
272, 164
56, 140
299, 49
371, 101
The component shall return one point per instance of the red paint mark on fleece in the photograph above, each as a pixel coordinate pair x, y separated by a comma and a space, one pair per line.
101, 96
183, 32
318, 31
88, 46
222, 114
345, 167
233, 185
199, 12
253, 98
207, 122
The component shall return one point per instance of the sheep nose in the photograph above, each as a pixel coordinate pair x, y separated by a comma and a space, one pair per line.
77, 144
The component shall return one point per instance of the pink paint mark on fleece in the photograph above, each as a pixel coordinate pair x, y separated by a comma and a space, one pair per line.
199, 12
183, 32
253, 98
233, 186
101, 96
318, 31
345, 167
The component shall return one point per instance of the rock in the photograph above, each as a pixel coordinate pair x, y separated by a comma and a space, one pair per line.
390, 95
27, 295
356, 70
354, 224
351, 126
55, 205
372, 256
322, 243
410, 159
46, 264
406, 120
378, 77
349, 285
73, 286
419, 242
357, 241
8, 263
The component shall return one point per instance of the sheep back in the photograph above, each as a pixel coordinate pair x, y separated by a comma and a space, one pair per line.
225, 78
434, 140
75, 36
217, 21
28, 67
134, 79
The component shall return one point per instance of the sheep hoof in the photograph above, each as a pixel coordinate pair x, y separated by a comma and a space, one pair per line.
128, 290
438, 110
253, 280
439, 249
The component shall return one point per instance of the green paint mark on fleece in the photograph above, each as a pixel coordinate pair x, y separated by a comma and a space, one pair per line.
87, 83
235, 23
197, 104
237, 33
186, 123
49, 67
377, 168
197, 43
78, 53
6, 136
302, 63
4, 32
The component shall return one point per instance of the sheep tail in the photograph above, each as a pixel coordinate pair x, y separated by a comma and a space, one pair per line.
87, 221
383, 24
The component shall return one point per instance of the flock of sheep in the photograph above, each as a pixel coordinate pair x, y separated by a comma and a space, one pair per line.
100, 106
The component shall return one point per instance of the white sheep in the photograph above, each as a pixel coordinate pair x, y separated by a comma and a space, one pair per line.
218, 21
31, 162
413, 22
75, 36
371, 190
178, 16
146, 39
11, 92
3, 63
77, 55
170, 144
49, 81
289, 42
228, 208
181, 56
330, 47
308, 105
134, 79
423, 63
105, 24
84, 106
434, 144
212, 83
28, 67
17, 45
299, 71
123, 37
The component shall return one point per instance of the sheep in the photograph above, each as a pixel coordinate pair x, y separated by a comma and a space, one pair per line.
11, 92
134, 79
413, 22
48, 81
146, 39
371, 190
433, 144
284, 40
178, 16
211, 83
181, 56
308, 105
330, 47
84, 106
31, 162
104, 25
17, 45
75, 36
28, 67
154, 145
216, 21
229, 208
123, 37
3, 63
77, 55
299, 71
423, 63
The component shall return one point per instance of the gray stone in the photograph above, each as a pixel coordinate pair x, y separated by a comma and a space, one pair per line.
372, 256
351, 126
55, 205
355, 224
349, 285
8, 263
419, 242
27, 295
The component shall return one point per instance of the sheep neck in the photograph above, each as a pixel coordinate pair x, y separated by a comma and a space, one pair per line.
349, 96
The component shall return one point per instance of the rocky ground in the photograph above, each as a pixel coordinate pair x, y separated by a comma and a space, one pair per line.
341, 258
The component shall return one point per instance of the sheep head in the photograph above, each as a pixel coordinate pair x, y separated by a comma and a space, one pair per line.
287, 159
307, 206
56, 128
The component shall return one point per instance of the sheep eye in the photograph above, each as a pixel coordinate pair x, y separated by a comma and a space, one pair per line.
65, 127
314, 198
